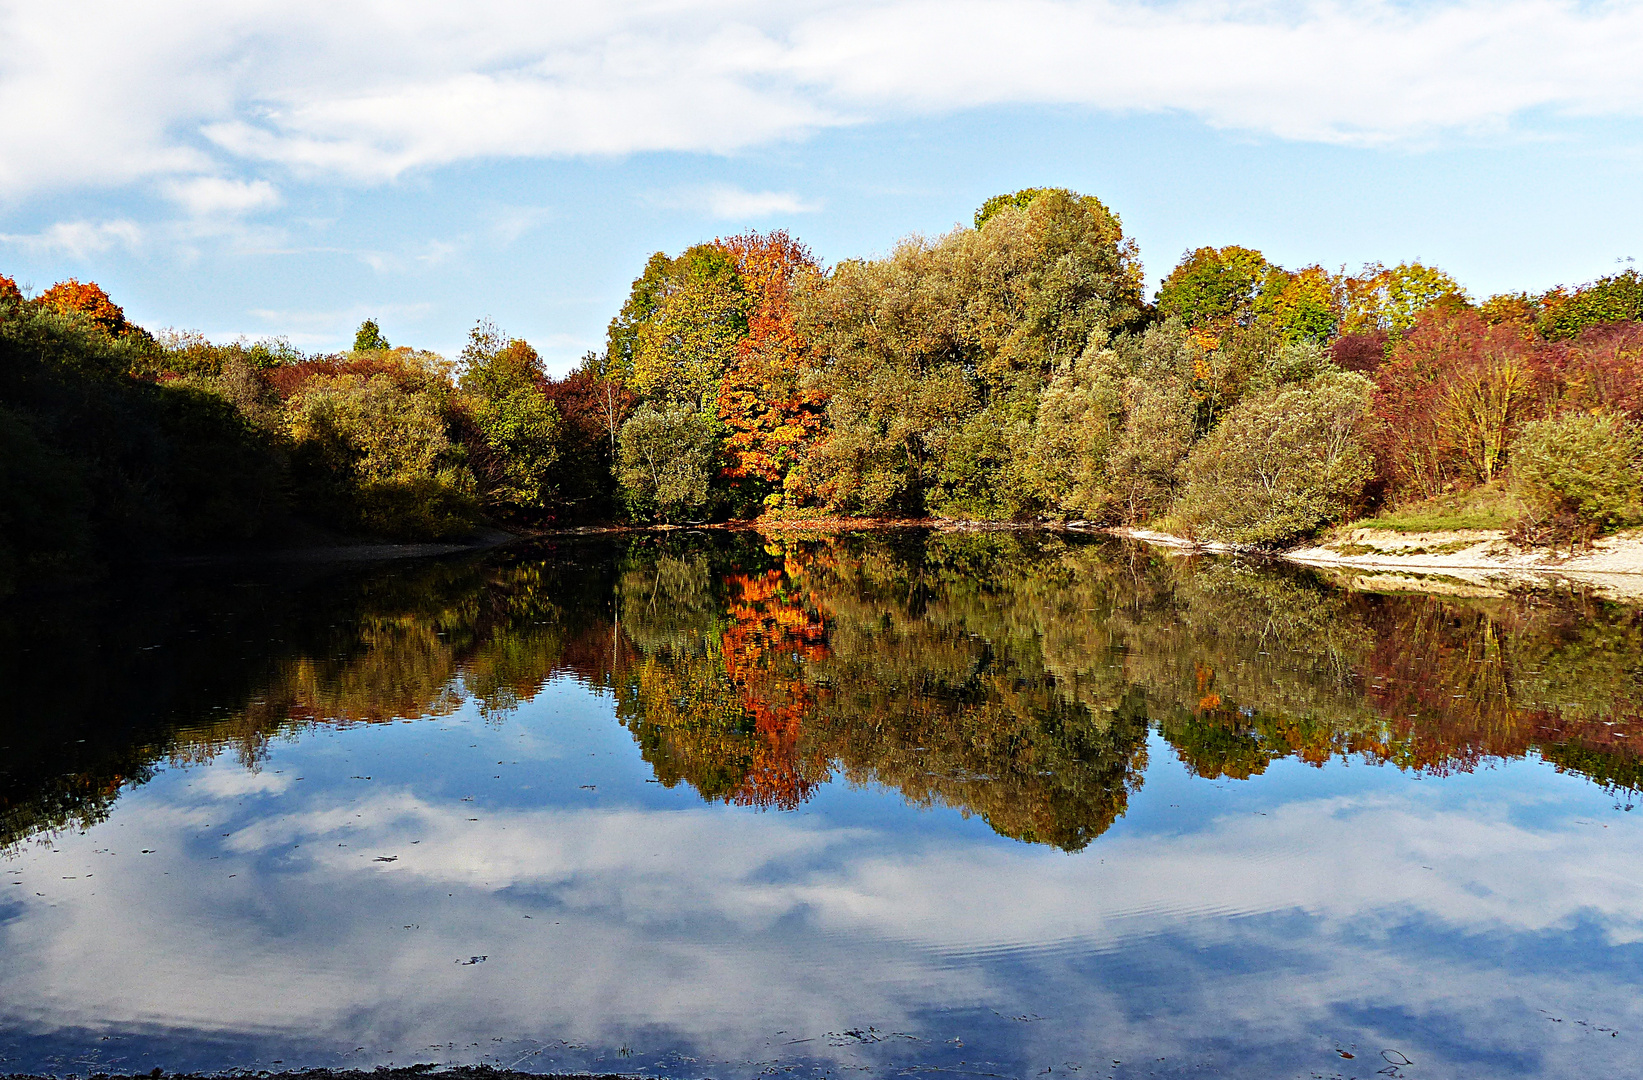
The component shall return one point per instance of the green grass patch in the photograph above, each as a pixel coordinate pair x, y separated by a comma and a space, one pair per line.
1489, 506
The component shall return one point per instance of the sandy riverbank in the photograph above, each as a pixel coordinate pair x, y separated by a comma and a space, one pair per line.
1482, 562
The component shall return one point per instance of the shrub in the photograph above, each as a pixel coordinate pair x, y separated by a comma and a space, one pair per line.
1282, 464
1577, 474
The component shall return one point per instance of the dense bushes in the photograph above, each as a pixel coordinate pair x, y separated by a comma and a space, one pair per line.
97, 461
1578, 472
1283, 463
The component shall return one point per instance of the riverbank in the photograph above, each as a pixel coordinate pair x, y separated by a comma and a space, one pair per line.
1470, 562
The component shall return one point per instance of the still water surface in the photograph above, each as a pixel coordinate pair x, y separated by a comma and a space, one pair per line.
881, 804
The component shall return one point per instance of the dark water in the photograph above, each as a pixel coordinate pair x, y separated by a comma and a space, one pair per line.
731, 806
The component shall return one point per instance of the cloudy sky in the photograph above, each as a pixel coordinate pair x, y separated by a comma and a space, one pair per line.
290, 168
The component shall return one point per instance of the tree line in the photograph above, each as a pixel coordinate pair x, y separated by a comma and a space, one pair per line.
1011, 370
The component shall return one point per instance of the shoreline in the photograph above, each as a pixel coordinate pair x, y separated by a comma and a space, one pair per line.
1472, 562
1478, 562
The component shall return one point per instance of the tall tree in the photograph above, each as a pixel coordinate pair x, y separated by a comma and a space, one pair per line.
771, 410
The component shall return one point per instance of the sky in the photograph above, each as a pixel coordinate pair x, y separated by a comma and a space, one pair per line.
289, 169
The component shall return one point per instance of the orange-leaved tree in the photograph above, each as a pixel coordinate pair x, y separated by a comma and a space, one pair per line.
87, 299
769, 410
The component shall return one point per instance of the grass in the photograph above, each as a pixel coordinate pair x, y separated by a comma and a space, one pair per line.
1489, 506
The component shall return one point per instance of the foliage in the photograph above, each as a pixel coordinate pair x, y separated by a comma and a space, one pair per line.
118, 466
1299, 305
1583, 467
1283, 463
664, 461
1565, 313
1391, 300
1002, 372
44, 517
933, 359
1452, 396
1214, 289
769, 405
516, 449
368, 338
592, 407
89, 300
685, 344
376, 449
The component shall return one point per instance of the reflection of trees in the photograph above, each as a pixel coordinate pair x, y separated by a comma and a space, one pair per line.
1012, 676
107, 690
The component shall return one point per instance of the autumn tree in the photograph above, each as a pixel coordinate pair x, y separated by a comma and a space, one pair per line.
1452, 396
1301, 305
1391, 300
592, 407
769, 406
89, 300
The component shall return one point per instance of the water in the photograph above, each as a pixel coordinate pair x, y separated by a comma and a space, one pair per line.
729, 806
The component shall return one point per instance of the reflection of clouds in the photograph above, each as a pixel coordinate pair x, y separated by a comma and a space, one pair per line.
228, 781
721, 927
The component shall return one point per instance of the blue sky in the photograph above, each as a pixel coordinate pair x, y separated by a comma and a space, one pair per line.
292, 168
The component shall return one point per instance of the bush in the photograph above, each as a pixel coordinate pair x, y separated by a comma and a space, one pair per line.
1577, 474
1282, 464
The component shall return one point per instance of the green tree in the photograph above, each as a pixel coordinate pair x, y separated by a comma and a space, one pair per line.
665, 459
515, 457
933, 359
368, 338
1564, 314
378, 448
683, 346
1214, 288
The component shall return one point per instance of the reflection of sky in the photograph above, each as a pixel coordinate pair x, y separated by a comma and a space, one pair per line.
1481, 925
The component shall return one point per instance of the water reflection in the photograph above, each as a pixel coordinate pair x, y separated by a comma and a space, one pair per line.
722, 805
1009, 676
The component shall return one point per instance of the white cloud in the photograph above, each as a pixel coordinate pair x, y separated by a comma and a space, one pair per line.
730, 203
209, 196
78, 238
108, 93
